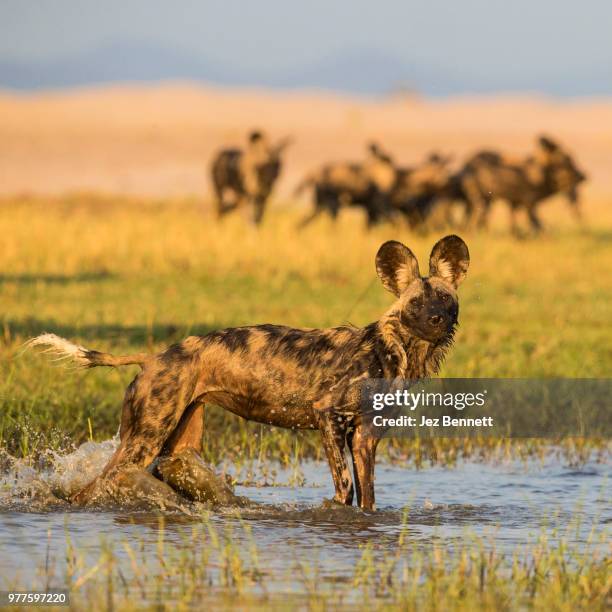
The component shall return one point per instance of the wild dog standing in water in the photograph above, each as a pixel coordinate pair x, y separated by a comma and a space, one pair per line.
293, 378
248, 176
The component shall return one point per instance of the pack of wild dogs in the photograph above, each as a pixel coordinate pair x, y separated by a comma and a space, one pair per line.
433, 194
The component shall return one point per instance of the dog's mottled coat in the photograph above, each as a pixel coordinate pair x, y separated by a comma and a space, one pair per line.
366, 185
522, 183
248, 175
293, 378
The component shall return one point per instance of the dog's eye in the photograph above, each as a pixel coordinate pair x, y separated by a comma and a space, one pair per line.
415, 302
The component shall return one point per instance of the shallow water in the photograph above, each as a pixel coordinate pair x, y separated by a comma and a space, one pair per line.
508, 504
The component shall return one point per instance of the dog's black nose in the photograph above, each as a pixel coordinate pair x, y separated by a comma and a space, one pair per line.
435, 319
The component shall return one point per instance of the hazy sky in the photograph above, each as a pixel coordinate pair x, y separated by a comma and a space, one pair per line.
477, 37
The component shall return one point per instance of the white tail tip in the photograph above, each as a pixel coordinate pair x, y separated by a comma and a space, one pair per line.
62, 348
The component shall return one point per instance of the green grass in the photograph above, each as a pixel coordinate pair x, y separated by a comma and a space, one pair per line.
126, 275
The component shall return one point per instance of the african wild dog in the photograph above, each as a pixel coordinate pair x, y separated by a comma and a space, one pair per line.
293, 378
366, 185
523, 184
248, 175
418, 188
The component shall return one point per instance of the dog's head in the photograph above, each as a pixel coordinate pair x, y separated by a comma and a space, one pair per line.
560, 168
427, 305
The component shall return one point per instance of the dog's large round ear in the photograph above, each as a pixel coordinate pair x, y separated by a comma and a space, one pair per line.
547, 144
450, 260
396, 266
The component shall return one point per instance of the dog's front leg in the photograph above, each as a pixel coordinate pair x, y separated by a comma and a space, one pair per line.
363, 450
334, 437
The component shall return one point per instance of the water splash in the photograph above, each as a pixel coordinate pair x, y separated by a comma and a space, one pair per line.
73, 471
50, 482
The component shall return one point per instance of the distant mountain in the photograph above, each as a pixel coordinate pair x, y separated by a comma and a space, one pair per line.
368, 71
362, 71
117, 62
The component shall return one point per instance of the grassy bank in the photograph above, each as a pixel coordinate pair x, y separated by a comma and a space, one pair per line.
127, 275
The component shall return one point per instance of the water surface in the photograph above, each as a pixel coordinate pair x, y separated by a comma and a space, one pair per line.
510, 505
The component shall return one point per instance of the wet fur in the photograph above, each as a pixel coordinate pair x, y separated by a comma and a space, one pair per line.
292, 378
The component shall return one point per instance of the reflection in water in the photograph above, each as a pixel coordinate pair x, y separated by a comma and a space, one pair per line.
508, 502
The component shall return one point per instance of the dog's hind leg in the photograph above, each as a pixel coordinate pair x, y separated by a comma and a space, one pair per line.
188, 432
181, 465
152, 410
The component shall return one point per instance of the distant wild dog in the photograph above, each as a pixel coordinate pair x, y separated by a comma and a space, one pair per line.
366, 185
293, 378
247, 176
523, 184
417, 188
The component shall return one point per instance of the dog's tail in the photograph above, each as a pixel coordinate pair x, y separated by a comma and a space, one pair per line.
83, 357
